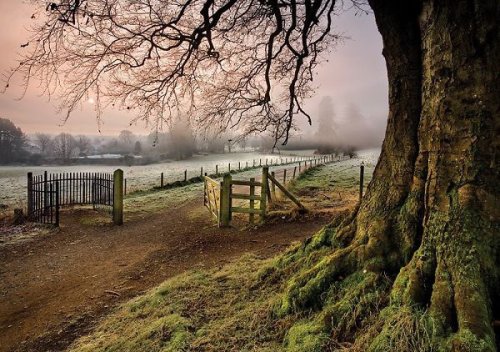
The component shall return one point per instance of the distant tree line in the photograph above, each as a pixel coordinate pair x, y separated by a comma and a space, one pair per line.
12, 143
332, 136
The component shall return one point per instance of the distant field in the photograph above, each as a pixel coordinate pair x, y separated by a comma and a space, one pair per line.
13, 178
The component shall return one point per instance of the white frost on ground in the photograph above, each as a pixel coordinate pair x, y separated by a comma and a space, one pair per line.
143, 177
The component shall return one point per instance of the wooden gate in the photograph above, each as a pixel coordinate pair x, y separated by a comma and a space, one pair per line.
212, 196
220, 196
256, 202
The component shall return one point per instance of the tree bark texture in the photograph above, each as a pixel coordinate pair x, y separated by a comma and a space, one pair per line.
430, 218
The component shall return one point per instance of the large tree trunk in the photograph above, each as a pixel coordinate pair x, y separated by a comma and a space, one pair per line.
430, 218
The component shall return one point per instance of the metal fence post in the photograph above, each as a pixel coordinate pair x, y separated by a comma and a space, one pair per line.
45, 193
57, 203
273, 186
30, 195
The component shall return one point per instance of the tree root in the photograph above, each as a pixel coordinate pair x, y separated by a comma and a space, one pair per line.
437, 301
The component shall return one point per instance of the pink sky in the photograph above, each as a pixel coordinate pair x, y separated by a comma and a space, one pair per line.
355, 73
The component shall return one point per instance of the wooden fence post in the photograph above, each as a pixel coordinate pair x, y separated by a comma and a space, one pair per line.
294, 172
185, 175
204, 191
252, 201
217, 170
229, 167
273, 187
124, 187
361, 177
161, 180
263, 193
225, 202
30, 195
284, 177
239, 166
201, 172
118, 197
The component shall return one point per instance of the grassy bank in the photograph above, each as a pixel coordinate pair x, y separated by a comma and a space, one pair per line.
236, 307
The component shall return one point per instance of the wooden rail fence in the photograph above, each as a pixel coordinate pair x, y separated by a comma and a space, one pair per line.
219, 196
195, 176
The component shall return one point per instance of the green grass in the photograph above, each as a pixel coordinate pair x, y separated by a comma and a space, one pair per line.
332, 177
145, 202
237, 307
210, 310
331, 186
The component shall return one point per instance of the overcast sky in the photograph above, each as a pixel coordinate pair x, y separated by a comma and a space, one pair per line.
354, 74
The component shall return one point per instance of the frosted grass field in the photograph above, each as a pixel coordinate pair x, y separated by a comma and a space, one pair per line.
13, 178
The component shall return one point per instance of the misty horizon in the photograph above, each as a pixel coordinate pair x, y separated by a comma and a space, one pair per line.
355, 74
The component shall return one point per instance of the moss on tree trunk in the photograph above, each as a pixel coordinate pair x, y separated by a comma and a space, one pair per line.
417, 266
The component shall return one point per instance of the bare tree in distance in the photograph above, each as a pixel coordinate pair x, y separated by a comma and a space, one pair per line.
12, 142
84, 145
424, 238
64, 147
137, 148
126, 137
43, 141
326, 134
181, 141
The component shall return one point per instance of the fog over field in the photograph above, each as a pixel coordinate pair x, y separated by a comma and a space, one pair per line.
139, 177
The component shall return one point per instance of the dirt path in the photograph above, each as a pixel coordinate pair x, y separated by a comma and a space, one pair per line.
56, 287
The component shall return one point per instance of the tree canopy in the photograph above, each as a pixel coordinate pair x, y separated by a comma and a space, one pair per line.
12, 142
228, 63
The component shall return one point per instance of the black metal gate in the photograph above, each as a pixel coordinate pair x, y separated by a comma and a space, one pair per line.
43, 200
48, 192
103, 192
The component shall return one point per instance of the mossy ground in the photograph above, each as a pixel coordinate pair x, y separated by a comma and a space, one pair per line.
233, 308
216, 310
265, 305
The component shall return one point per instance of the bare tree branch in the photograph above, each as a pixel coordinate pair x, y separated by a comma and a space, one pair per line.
245, 64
